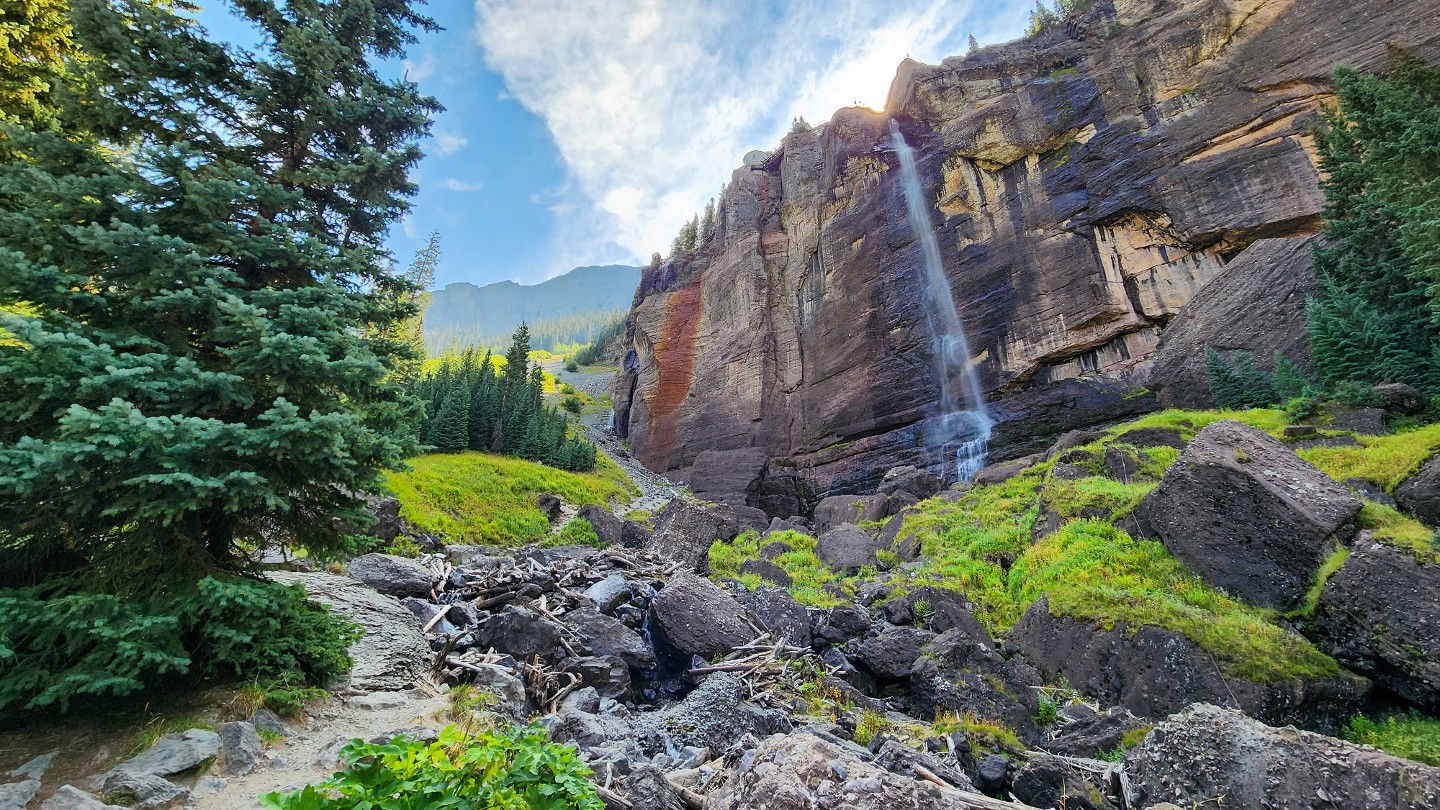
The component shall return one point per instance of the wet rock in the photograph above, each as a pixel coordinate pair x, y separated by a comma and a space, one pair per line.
549, 505
1380, 616
1245, 513
846, 549
608, 528
174, 753
609, 593
141, 790
1049, 781
695, 617
803, 772
1420, 494
713, 716
1205, 753
607, 636
890, 655
522, 633
389, 574
684, 532
768, 571
838, 509
1154, 673
240, 748
781, 614
1002, 471
920, 483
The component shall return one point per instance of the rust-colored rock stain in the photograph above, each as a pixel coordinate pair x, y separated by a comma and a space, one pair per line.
675, 362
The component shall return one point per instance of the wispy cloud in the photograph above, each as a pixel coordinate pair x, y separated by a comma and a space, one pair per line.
652, 103
421, 70
456, 184
449, 142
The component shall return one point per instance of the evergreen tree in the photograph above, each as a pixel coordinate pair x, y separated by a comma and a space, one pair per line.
972, 46
1377, 316
409, 332
452, 422
707, 221
35, 43
1236, 382
201, 280
513, 405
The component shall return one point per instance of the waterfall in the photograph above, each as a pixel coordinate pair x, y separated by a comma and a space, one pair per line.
964, 424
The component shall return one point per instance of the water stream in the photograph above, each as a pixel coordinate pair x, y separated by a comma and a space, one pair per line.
963, 425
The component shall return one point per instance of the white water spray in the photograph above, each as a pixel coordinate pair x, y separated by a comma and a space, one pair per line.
964, 423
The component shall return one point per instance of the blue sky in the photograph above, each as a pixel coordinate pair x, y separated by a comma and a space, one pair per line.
587, 131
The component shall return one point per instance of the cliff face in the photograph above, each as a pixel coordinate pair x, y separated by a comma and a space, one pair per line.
1087, 183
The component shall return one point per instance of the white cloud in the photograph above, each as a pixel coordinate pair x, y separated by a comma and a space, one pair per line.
456, 184
652, 103
419, 71
449, 142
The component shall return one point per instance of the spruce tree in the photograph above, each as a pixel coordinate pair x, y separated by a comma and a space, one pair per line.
35, 44
201, 279
452, 423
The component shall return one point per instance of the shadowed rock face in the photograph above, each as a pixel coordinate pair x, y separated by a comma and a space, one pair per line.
1087, 185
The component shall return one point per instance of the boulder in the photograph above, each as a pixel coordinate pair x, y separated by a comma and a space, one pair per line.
895, 537
240, 748
392, 652
634, 534
1002, 471
784, 525
846, 549
774, 550
919, 483
890, 654
608, 528
694, 617
1084, 732
388, 524
1152, 437
1071, 440
609, 593
1248, 515
550, 505
1420, 494
934, 609
685, 530
1154, 672
1361, 421
843, 622
961, 671
1051, 781
504, 685
608, 675
143, 791
521, 633
1380, 616
1400, 398
173, 753
389, 574
607, 636
1207, 755
17, 795
586, 729
713, 716
69, 797
781, 614
768, 571
803, 772
838, 509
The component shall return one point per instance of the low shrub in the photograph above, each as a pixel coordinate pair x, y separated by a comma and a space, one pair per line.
1410, 735
577, 532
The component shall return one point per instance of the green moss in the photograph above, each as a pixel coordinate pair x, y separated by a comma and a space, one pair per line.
1134, 736
1412, 735
1401, 531
1188, 423
1384, 461
1332, 564
807, 572
1084, 496
484, 498
988, 736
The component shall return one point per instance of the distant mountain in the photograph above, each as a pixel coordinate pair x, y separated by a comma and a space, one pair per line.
567, 309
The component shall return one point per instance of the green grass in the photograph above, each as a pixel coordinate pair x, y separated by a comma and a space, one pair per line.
577, 532
1412, 736
1401, 531
809, 574
1190, 422
489, 499
1384, 461
1332, 564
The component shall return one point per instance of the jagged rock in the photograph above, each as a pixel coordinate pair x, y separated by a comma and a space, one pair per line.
890, 655
846, 549
781, 614
1002, 471
609, 593
141, 790
961, 671
920, 483
173, 753
608, 528
240, 748
266, 720
1086, 733
1420, 494
388, 524
695, 617
1361, 421
634, 534
837, 510
1400, 398
389, 574
379, 701
646, 788
585, 729
608, 675
1245, 513
522, 633
994, 772
783, 525
803, 772
1150, 437
1380, 616
684, 532
768, 571
504, 685
607, 636
35, 768
901, 759
16, 795
1154, 673
935, 609
842, 623
69, 797
1205, 753
1049, 781
549, 505
425, 613
775, 550
713, 716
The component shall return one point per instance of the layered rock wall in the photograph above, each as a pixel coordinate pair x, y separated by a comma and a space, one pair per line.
1088, 183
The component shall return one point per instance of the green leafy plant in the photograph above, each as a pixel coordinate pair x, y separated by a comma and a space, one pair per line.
577, 532
505, 769
1410, 735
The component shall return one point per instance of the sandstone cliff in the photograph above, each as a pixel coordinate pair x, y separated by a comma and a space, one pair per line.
1088, 184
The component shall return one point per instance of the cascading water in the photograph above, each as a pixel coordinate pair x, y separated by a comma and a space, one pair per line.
963, 424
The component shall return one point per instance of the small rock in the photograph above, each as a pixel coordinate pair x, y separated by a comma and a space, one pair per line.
549, 505
141, 790
173, 753
266, 720
377, 701
35, 768
207, 785
16, 795
609, 593
240, 747
768, 571
1300, 431
70, 797
993, 770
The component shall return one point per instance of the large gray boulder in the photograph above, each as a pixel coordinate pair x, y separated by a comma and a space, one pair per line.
610, 529
1206, 756
694, 617
607, 636
781, 613
1420, 494
961, 671
1248, 515
174, 753
912, 480
846, 549
1155, 672
397, 576
240, 748
392, 652
684, 532
143, 791
1380, 616
890, 654
522, 633
713, 716
838, 509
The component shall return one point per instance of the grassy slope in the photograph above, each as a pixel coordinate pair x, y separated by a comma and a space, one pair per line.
489, 499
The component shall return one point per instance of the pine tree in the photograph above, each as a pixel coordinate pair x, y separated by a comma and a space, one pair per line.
972, 46
35, 44
409, 332
707, 221
1236, 382
452, 423
203, 275
1377, 316
512, 384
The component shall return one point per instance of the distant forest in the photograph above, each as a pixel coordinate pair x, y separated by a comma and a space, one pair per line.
558, 334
